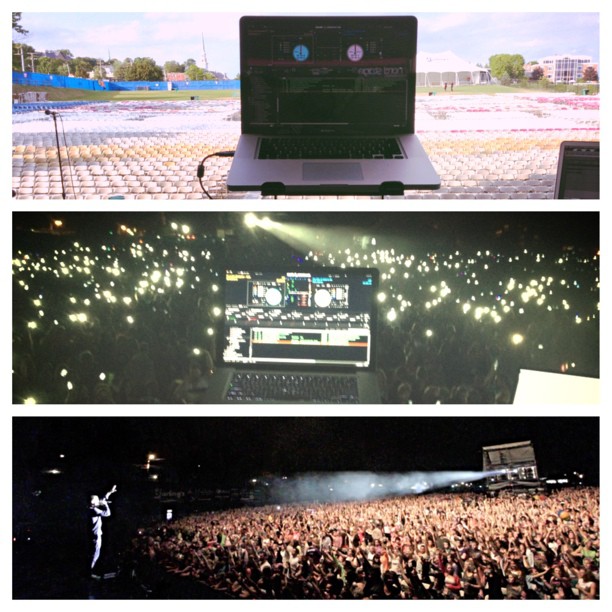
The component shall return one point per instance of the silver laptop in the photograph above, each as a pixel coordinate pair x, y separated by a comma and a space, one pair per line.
297, 336
327, 107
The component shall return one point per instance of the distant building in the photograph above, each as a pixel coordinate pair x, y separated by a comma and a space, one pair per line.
109, 75
176, 77
64, 57
565, 68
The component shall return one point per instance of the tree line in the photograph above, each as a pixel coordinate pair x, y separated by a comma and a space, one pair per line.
62, 62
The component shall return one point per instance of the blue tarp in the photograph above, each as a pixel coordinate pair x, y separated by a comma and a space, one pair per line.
32, 79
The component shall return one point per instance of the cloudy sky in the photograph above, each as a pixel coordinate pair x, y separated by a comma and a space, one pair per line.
474, 36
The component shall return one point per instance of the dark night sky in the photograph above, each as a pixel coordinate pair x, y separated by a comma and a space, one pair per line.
241, 447
555, 229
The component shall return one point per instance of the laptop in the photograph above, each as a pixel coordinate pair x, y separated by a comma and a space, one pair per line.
578, 171
297, 336
327, 107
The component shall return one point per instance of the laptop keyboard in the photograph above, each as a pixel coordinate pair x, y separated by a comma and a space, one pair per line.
273, 387
329, 148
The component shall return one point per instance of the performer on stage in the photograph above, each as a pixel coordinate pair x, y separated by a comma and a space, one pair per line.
98, 509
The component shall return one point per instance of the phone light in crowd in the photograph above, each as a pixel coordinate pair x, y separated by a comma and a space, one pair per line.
392, 315
30, 401
216, 311
109, 297
130, 319
32, 325
210, 331
381, 297
429, 333
197, 351
517, 339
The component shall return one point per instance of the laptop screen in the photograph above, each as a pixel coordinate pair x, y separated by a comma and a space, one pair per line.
578, 171
317, 75
296, 317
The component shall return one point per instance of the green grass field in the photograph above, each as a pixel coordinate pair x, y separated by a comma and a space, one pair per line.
472, 89
59, 94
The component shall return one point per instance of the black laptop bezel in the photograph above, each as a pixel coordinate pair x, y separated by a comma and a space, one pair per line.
408, 22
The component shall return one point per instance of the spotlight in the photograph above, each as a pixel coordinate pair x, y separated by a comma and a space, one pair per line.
250, 220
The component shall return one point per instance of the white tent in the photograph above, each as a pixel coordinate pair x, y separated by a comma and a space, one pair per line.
435, 69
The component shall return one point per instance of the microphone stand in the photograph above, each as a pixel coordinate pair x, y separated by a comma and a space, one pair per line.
59, 151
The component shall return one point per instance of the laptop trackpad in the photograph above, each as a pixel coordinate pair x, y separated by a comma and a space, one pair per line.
343, 171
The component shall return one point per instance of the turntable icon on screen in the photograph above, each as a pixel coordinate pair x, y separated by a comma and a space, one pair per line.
355, 53
301, 53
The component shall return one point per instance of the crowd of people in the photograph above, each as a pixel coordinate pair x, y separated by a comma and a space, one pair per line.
436, 546
113, 321
132, 318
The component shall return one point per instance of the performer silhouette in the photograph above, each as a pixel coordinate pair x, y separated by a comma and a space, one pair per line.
98, 509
